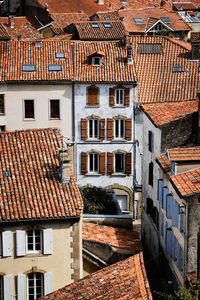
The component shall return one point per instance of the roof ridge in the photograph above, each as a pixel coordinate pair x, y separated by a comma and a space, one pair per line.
28, 130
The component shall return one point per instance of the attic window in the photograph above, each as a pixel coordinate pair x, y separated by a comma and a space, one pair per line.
96, 61
107, 25
95, 25
176, 69
149, 48
166, 19
107, 18
124, 2
6, 173
60, 55
54, 67
37, 44
28, 68
138, 20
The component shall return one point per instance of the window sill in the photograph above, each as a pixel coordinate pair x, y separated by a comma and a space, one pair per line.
29, 119
34, 254
118, 174
93, 140
54, 119
119, 106
92, 106
93, 174
2, 114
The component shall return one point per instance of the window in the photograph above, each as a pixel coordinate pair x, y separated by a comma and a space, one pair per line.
1, 287
176, 69
2, 128
29, 109
35, 285
28, 68
96, 61
60, 55
54, 109
55, 67
107, 25
95, 25
119, 97
119, 163
123, 202
34, 241
166, 19
94, 163
1, 104
151, 173
93, 129
120, 129
138, 20
150, 141
107, 18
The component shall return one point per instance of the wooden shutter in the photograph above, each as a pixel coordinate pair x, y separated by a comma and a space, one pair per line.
128, 129
84, 159
20, 242
21, 287
92, 96
126, 96
165, 192
109, 129
84, 129
48, 283
160, 186
109, 163
8, 287
111, 97
102, 129
7, 243
47, 241
128, 164
102, 161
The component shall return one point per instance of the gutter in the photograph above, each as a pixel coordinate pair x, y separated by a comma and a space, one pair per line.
39, 220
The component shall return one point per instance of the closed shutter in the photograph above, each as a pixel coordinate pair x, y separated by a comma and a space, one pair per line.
102, 161
169, 242
109, 163
111, 97
84, 129
1, 250
164, 202
127, 96
162, 224
102, 129
20, 242
169, 204
92, 96
8, 287
47, 241
160, 186
109, 129
84, 158
7, 243
48, 283
21, 287
128, 164
175, 214
128, 129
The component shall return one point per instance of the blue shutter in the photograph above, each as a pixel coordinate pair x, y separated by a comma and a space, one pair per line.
162, 224
169, 205
164, 200
160, 186
175, 214
178, 255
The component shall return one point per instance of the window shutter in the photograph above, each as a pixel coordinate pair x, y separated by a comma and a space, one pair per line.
8, 287
169, 242
102, 166
128, 164
48, 283
7, 243
84, 129
160, 186
84, 158
165, 192
109, 163
47, 241
175, 214
92, 96
21, 287
109, 129
112, 97
169, 200
128, 129
127, 96
1, 250
102, 129
20, 242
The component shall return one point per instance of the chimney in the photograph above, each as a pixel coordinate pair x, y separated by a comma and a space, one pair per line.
129, 54
11, 23
100, 2
64, 166
195, 41
198, 254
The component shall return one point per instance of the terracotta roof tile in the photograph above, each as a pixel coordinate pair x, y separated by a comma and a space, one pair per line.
104, 15
126, 279
31, 189
3, 33
117, 237
164, 162
184, 153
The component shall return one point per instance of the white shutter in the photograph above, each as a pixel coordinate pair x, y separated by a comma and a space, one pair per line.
48, 283
20, 242
8, 287
21, 287
7, 244
47, 241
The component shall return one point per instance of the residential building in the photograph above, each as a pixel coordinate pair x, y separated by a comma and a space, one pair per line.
40, 218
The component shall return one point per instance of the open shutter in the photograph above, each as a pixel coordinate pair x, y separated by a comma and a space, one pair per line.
109, 129
112, 97
48, 283
7, 243
8, 287
21, 287
102, 161
128, 129
128, 163
20, 242
102, 129
47, 241
160, 186
84, 129
84, 158
127, 97
109, 163
92, 96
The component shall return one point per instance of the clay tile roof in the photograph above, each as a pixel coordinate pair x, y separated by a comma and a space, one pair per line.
103, 15
126, 279
155, 70
117, 237
164, 162
185, 6
184, 154
87, 32
187, 183
3, 33
31, 188
163, 113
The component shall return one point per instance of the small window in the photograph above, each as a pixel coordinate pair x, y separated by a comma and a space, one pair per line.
2, 128
55, 109
166, 19
176, 69
119, 162
28, 68
29, 109
6, 173
123, 202
93, 163
2, 104
35, 285
119, 97
107, 18
120, 129
151, 173
124, 2
95, 25
150, 141
93, 129
34, 241
54, 67
37, 44
107, 25
138, 20
96, 61
60, 55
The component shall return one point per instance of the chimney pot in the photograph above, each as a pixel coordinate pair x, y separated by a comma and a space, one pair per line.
129, 55
11, 23
64, 166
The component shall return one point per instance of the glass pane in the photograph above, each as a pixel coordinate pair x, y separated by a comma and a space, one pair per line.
119, 162
90, 128
96, 162
96, 128
91, 162
117, 128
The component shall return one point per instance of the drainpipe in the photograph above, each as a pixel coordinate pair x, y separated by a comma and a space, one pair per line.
134, 158
73, 118
198, 253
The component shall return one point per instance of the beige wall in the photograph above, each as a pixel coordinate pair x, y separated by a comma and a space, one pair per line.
183, 167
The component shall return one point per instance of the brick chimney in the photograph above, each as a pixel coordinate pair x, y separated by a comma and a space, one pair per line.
11, 23
64, 166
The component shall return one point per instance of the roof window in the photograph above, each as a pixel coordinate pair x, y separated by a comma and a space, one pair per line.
28, 68
107, 18
124, 2
95, 25
37, 44
176, 69
138, 20
149, 48
54, 67
96, 61
60, 55
6, 173
166, 19
107, 25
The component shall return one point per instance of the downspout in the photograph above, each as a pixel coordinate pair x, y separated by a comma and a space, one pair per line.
73, 117
186, 241
134, 158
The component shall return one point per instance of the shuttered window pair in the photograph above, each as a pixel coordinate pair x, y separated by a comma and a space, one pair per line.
92, 129
119, 97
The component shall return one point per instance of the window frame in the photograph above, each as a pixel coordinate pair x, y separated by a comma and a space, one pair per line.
2, 104
94, 63
123, 163
35, 285
95, 156
93, 129
50, 115
120, 136
34, 251
119, 90
24, 110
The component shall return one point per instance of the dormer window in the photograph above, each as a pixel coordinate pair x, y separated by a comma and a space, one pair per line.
95, 25
107, 25
176, 69
96, 60
138, 20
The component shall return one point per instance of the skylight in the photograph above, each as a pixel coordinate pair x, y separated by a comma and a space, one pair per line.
124, 2
177, 69
107, 18
138, 20
28, 68
144, 48
37, 44
107, 25
6, 173
95, 25
60, 55
166, 19
54, 67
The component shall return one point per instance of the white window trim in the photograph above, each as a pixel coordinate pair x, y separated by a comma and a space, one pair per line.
93, 137
42, 284
124, 163
50, 118
41, 242
93, 172
23, 110
93, 61
119, 130
119, 104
